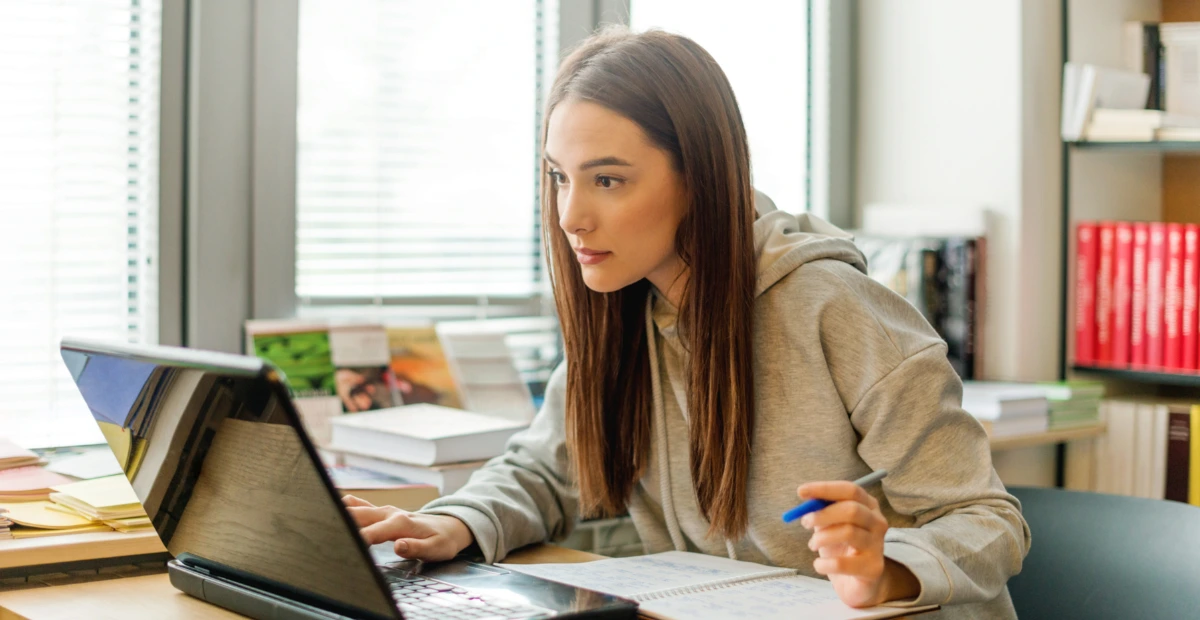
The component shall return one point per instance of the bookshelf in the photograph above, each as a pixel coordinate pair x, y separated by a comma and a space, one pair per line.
1050, 437
1152, 146
1136, 181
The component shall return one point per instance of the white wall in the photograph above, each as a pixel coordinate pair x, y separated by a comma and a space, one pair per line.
958, 105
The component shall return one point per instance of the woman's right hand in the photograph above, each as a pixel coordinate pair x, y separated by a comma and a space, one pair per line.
418, 536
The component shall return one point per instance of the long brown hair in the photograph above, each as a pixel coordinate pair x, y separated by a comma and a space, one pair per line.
681, 99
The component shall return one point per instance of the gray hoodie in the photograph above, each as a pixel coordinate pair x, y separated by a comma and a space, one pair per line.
849, 378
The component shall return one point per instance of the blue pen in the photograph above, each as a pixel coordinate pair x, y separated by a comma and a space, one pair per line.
814, 504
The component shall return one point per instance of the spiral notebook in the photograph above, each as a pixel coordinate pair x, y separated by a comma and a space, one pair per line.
676, 585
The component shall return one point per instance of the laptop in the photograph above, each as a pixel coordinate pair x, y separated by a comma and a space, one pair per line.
215, 451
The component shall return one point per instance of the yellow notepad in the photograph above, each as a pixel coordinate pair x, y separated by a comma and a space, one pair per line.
108, 493
34, 532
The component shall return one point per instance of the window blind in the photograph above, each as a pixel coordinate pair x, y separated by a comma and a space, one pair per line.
417, 163
78, 199
763, 49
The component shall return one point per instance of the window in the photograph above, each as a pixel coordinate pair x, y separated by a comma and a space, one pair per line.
417, 135
762, 45
417, 164
79, 172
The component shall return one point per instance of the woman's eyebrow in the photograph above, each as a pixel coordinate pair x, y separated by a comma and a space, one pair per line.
594, 163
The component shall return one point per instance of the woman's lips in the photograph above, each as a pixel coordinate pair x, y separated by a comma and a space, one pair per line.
588, 256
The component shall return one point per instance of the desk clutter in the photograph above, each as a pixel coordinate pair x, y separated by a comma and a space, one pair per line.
423, 406
65, 492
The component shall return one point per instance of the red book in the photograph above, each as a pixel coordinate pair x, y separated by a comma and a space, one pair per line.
1191, 265
1155, 271
1137, 319
1173, 299
1122, 307
1086, 249
1104, 293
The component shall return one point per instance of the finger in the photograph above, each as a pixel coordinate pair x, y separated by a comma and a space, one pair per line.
844, 534
351, 500
837, 491
398, 525
432, 549
369, 515
850, 512
862, 565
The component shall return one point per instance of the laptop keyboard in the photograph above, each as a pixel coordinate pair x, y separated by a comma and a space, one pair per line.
419, 597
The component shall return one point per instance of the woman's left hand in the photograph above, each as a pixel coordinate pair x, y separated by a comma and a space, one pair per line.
848, 538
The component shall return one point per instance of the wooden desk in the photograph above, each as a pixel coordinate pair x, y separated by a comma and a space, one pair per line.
152, 597
77, 548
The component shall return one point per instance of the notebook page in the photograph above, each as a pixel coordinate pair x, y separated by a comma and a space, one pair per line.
782, 598
643, 575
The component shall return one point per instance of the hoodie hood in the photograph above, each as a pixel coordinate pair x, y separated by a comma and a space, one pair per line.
784, 241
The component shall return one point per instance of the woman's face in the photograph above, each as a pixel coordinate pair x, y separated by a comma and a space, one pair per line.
620, 200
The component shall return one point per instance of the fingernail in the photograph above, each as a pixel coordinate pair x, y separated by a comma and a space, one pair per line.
806, 521
401, 547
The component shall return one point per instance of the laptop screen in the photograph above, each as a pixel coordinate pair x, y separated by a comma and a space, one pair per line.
211, 447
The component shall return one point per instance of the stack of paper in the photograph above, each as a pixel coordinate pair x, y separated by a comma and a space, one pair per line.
42, 518
28, 484
1007, 409
5, 522
110, 500
12, 455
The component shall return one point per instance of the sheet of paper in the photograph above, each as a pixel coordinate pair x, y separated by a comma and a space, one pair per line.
41, 514
787, 598
631, 577
86, 466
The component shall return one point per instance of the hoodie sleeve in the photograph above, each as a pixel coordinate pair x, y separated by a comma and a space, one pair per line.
525, 495
967, 535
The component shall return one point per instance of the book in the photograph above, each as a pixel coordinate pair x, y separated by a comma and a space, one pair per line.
1173, 299
988, 400
446, 478
1137, 320
1122, 286
1086, 254
1090, 87
1104, 290
1194, 457
422, 372
424, 434
958, 259
1155, 290
381, 489
1191, 292
678, 584
1143, 53
1179, 433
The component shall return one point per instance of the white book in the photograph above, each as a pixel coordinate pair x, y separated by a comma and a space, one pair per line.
1158, 453
447, 478
1122, 442
423, 434
679, 584
1143, 453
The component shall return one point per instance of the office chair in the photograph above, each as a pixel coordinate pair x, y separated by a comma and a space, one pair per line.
1107, 556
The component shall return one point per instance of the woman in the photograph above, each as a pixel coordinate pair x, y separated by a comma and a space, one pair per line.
717, 359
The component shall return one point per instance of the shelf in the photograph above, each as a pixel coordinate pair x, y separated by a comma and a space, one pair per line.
1049, 437
1141, 376
67, 548
1159, 147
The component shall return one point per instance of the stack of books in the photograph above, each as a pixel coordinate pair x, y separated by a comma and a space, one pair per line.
1073, 403
1007, 409
428, 444
1136, 294
1140, 126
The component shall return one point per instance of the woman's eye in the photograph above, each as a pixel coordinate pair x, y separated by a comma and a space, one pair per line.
557, 177
607, 182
